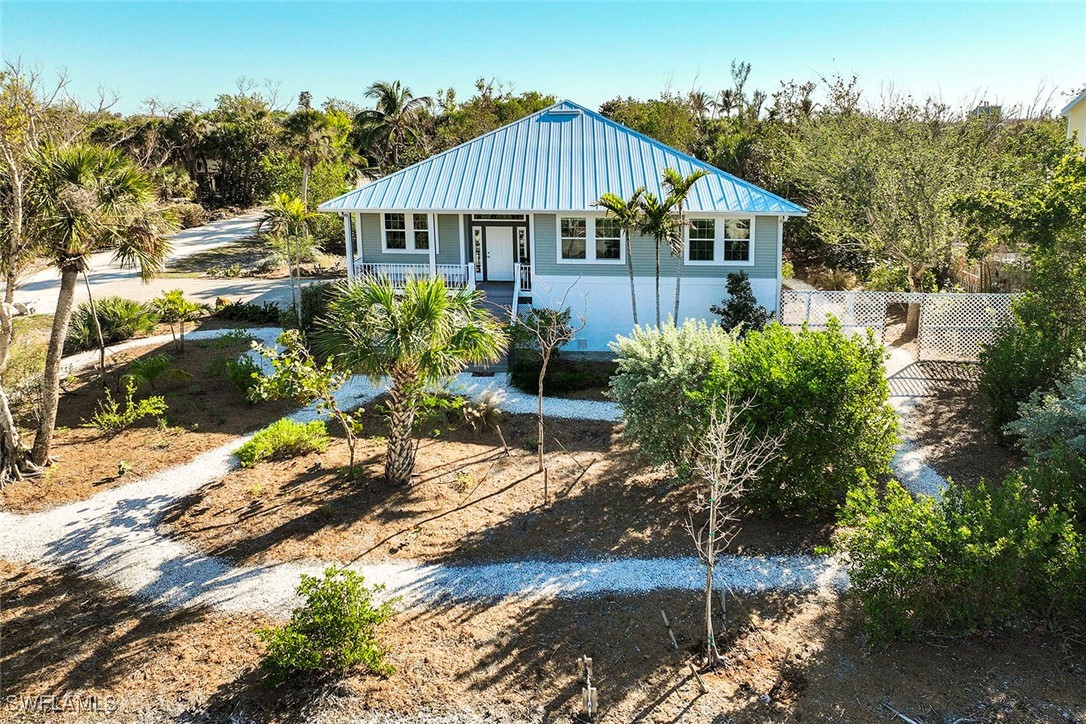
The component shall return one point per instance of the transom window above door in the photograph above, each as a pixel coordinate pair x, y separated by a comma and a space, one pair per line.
399, 236
723, 241
590, 239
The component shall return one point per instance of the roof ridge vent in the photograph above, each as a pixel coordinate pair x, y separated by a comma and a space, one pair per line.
564, 112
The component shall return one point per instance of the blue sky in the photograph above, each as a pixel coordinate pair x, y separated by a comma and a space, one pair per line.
181, 52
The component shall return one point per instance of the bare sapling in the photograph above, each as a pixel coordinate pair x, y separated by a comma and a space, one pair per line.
729, 458
546, 329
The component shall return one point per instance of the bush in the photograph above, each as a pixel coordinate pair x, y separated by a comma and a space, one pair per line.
661, 385
283, 439
1055, 419
826, 393
189, 215
563, 375
111, 417
1022, 360
315, 299
741, 309
333, 631
242, 373
266, 313
979, 557
119, 318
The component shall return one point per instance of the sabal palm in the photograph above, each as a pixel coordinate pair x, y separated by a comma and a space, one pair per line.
289, 220
90, 200
679, 187
658, 224
310, 139
394, 119
417, 336
627, 212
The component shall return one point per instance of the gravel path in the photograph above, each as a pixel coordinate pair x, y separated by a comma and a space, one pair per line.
113, 535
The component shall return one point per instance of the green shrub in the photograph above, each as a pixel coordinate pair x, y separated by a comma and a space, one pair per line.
283, 439
189, 215
242, 373
111, 417
563, 375
741, 309
147, 371
266, 313
1055, 419
826, 393
335, 629
315, 299
1022, 360
978, 557
662, 385
119, 318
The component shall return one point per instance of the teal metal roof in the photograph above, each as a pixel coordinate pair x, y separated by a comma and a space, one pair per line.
562, 158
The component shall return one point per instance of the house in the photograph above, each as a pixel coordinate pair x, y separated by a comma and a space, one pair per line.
1075, 113
513, 211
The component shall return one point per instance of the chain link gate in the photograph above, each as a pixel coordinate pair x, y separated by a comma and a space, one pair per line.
953, 327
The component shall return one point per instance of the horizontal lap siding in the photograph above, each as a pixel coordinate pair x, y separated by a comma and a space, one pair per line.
766, 254
448, 251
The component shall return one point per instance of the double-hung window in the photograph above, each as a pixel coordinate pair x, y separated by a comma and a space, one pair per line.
405, 232
737, 240
589, 239
724, 241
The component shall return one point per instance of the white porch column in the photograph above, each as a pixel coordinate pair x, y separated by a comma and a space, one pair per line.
349, 243
431, 221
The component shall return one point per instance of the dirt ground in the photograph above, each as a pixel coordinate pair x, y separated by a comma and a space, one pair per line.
790, 658
471, 502
205, 411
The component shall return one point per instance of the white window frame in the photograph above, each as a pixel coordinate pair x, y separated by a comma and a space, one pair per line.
409, 224
718, 241
590, 241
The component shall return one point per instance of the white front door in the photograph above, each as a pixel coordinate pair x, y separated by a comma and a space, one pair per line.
499, 254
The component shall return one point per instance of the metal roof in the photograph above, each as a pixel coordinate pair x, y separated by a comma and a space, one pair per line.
1078, 99
562, 158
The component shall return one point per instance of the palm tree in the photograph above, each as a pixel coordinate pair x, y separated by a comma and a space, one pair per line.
310, 139
417, 336
289, 220
393, 120
628, 214
92, 199
678, 187
657, 222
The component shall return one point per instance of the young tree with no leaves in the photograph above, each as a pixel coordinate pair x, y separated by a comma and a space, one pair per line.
546, 329
730, 458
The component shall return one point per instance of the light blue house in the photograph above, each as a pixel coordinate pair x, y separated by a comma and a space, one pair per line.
513, 211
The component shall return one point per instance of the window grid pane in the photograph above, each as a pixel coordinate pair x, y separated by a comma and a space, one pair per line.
574, 238
574, 248
608, 239
396, 239
394, 221
737, 229
702, 229
736, 250
702, 249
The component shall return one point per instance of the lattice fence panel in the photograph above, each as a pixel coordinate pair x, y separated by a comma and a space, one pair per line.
856, 311
954, 326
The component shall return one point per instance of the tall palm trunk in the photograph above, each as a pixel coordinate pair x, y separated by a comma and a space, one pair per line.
629, 268
681, 247
657, 283
400, 452
43, 438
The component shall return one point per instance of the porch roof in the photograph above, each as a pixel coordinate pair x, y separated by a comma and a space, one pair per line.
562, 158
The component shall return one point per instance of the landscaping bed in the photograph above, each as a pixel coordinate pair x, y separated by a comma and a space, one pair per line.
791, 658
470, 502
205, 411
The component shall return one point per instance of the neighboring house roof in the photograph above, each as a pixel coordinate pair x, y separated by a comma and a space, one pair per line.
1078, 99
562, 158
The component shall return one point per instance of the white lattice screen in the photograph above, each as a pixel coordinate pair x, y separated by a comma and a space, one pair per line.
952, 326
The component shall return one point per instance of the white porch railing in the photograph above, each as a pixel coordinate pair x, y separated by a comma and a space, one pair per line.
525, 278
456, 276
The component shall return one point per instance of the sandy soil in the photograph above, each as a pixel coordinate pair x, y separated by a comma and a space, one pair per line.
471, 501
790, 659
205, 411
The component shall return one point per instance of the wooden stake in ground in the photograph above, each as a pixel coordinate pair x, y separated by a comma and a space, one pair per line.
588, 692
670, 631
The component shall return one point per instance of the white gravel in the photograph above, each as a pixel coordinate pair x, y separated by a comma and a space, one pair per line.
113, 535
